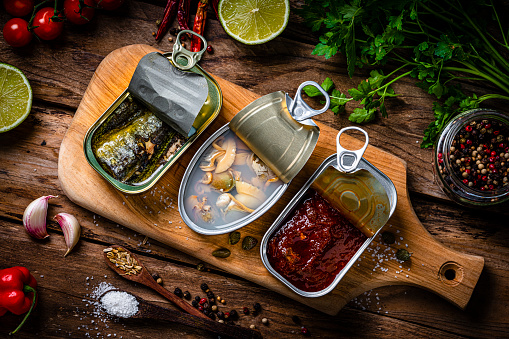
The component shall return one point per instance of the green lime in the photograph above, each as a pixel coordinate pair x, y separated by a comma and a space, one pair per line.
15, 97
254, 22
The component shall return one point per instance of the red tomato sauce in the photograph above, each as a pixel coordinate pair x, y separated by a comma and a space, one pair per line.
314, 244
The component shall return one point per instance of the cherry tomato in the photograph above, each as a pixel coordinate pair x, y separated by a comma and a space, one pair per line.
48, 29
73, 14
109, 5
19, 8
16, 32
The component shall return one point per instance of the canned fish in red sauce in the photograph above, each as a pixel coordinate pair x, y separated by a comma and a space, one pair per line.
314, 244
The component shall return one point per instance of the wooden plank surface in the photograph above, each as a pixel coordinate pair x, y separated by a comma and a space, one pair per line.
60, 72
155, 213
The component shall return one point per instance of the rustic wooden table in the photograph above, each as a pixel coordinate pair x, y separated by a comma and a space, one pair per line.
59, 73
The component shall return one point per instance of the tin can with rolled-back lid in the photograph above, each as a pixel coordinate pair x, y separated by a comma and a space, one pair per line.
354, 187
136, 147
276, 129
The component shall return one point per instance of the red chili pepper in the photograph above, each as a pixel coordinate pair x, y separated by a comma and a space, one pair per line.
169, 15
183, 13
17, 292
215, 4
199, 24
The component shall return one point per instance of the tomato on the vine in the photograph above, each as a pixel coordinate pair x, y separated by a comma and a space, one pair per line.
77, 15
109, 5
48, 28
16, 32
19, 8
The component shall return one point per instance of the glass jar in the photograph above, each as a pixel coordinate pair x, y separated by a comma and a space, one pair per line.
471, 158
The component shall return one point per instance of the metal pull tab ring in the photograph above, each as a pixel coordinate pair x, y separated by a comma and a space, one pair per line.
347, 159
180, 52
299, 110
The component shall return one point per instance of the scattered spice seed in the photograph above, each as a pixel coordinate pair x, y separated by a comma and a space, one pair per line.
194, 303
158, 22
233, 314
245, 310
155, 276
213, 308
197, 298
252, 326
159, 281
202, 301
226, 315
187, 295
212, 315
220, 315
210, 294
153, 33
221, 321
223, 301
218, 298
200, 308
204, 287
234, 237
174, 31
249, 243
304, 330
257, 307
200, 267
265, 321
403, 255
170, 39
178, 292
210, 49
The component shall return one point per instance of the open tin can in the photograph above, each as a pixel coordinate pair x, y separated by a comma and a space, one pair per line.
168, 104
347, 186
247, 165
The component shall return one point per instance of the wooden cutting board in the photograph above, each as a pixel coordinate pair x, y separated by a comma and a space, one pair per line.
448, 273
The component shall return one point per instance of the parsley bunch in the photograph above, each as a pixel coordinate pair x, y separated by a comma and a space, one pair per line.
436, 42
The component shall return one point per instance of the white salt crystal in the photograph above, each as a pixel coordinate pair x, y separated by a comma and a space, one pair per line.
120, 304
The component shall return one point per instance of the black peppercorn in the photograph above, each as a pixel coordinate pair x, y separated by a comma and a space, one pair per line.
220, 315
233, 314
197, 298
212, 315
204, 287
155, 276
212, 301
194, 303
187, 295
388, 237
206, 311
257, 307
210, 294
245, 310
178, 292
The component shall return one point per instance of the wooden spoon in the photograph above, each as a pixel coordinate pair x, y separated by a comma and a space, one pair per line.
147, 310
144, 277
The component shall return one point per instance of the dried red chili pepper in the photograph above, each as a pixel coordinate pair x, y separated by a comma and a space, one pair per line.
17, 292
215, 4
169, 14
183, 13
199, 25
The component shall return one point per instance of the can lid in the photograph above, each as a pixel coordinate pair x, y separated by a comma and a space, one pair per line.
173, 93
353, 191
275, 135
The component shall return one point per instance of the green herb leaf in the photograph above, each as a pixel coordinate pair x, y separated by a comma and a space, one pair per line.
362, 115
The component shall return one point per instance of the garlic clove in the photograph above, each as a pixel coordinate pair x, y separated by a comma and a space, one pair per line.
71, 228
34, 217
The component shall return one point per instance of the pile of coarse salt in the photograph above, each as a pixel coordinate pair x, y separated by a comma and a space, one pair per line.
119, 304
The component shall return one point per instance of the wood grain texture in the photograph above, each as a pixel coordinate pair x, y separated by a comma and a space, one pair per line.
149, 213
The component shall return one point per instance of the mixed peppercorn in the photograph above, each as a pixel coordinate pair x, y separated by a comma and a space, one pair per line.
479, 155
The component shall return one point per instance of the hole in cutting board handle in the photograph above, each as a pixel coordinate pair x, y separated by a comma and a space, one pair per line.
451, 273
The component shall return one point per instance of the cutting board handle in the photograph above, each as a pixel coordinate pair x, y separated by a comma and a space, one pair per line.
435, 267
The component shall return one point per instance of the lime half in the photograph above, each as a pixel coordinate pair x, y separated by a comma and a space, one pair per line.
15, 97
254, 21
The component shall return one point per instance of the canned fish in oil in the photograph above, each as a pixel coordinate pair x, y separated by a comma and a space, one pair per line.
132, 148
246, 166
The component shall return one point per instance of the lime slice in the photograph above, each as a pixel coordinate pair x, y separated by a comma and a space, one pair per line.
254, 21
15, 97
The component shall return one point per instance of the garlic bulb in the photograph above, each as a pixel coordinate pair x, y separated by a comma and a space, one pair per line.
71, 228
34, 218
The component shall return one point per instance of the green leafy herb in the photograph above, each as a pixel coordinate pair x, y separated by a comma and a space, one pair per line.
440, 43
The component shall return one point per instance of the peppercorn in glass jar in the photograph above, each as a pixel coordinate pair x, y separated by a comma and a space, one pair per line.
471, 158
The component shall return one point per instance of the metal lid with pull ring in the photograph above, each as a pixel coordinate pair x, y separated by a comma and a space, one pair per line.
173, 93
356, 192
278, 129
